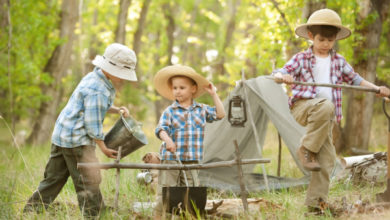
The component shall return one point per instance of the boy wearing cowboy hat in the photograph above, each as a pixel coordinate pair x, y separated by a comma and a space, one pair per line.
79, 126
317, 107
181, 126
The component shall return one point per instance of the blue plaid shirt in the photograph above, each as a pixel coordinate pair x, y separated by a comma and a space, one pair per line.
186, 128
81, 120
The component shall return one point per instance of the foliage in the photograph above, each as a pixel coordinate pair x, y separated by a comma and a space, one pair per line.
33, 40
262, 40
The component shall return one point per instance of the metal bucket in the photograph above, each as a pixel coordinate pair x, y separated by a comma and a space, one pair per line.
190, 198
127, 133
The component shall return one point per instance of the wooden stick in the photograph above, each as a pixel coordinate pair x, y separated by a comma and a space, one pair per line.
361, 88
170, 166
279, 154
118, 158
241, 178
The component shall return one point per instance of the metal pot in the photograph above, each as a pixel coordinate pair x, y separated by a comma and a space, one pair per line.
190, 198
127, 133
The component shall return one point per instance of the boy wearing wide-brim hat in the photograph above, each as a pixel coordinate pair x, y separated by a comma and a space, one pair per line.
79, 126
181, 126
317, 107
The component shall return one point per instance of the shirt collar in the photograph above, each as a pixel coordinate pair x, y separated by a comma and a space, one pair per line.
103, 77
309, 52
194, 105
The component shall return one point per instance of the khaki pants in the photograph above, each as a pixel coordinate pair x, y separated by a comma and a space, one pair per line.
168, 178
61, 165
317, 116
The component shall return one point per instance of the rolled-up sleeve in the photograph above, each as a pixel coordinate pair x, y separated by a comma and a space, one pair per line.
349, 75
211, 114
164, 124
95, 110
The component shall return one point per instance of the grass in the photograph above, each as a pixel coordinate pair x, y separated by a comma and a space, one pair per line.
21, 170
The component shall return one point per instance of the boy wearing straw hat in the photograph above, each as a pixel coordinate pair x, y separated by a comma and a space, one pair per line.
79, 126
181, 126
317, 107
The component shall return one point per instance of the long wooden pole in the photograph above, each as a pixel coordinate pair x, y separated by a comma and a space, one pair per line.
361, 88
170, 166
243, 193
117, 179
279, 154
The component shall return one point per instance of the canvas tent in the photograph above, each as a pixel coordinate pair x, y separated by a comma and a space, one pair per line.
265, 101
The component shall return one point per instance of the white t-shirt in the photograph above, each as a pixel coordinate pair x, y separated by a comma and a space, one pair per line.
321, 73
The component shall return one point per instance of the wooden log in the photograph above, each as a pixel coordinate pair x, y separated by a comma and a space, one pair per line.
279, 154
244, 194
171, 166
118, 170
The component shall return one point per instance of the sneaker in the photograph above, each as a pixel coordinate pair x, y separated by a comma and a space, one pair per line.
308, 159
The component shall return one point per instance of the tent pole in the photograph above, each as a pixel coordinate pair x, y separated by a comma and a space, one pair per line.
244, 194
279, 154
254, 130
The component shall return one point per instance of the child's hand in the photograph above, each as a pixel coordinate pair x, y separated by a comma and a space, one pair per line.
124, 111
384, 91
211, 89
283, 78
171, 147
110, 152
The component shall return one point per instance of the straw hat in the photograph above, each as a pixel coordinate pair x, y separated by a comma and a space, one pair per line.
161, 80
324, 17
118, 60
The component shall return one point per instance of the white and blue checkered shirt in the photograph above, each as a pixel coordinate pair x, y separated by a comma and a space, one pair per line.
186, 129
81, 120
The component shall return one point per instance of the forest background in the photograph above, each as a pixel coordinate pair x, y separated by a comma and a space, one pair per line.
47, 47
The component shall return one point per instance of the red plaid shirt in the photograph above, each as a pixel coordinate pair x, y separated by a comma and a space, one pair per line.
300, 66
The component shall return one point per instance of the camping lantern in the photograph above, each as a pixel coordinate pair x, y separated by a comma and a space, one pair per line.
237, 111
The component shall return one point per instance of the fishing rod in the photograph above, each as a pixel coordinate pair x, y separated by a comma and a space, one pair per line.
360, 88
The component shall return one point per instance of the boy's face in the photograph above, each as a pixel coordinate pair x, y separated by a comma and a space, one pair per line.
183, 89
322, 45
117, 82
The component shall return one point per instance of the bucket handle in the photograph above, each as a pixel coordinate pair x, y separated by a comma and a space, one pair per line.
184, 173
126, 124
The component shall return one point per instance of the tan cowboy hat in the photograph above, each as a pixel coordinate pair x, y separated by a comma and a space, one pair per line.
161, 80
324, 17
118, 60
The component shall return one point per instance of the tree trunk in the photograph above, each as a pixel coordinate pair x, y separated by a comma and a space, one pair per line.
170, 29
161, 104
120, 32
56, 67
140, 27
3, 16
360, 106
92, 51
189, 32
231, 25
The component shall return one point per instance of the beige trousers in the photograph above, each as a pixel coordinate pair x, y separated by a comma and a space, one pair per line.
317, 116
168, 178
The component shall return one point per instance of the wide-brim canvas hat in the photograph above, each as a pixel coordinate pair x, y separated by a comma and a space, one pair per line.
163, 87
119, 61
324, 17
